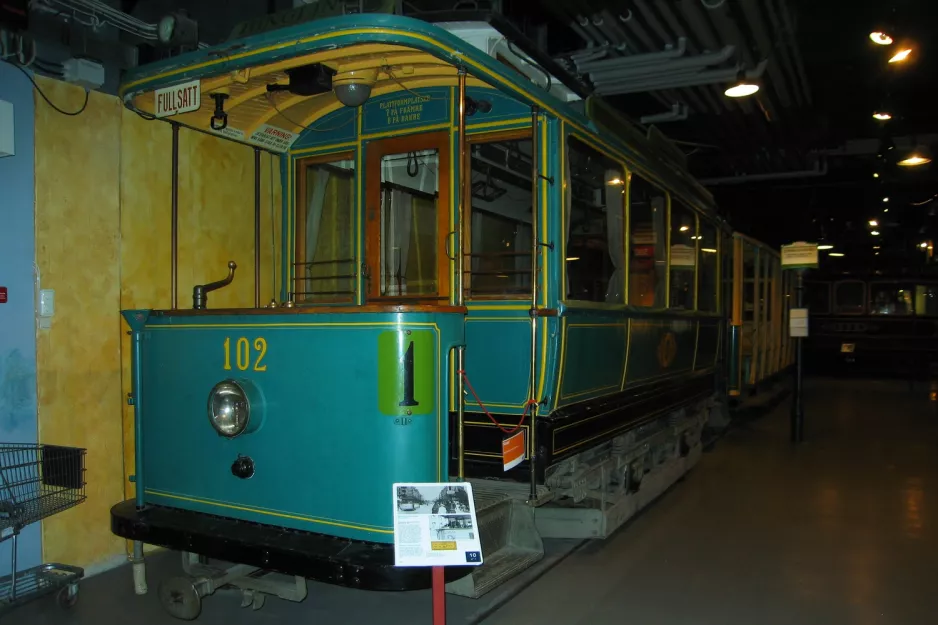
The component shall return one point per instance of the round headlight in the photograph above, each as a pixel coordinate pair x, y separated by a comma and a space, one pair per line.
228, 408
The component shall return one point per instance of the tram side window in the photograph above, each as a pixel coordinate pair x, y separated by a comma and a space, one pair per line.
708, 272
595, 194
818, 297
891, 299
848, 297
648, 261
500, 226
926, 300
325, 263
683, 256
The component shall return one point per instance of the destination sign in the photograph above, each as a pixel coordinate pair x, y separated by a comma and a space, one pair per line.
177, 99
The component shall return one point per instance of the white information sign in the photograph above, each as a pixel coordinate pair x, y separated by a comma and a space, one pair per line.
682, 256
435, 525
177, 99
799, 255
798, 322
273, 138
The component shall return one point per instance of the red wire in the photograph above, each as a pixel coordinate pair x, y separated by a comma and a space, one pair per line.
524, 414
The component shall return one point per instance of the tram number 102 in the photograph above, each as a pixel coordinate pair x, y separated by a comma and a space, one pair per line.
244, 354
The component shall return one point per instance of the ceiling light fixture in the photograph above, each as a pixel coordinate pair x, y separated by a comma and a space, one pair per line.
914, 160
875, 247
875, 233
885, 199
874, 223
901, 56
923, 245
825, 246
685, 228
885, 210
836, 254
572, 258
741, 89
882, 116
875, 175
880, 38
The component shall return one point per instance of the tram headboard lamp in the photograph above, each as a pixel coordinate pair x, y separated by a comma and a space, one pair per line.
235, 407
219, 115
353, 88
199, 291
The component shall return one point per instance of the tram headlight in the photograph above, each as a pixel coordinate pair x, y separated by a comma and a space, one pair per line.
235, 407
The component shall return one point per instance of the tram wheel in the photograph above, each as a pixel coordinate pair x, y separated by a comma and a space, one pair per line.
180, 598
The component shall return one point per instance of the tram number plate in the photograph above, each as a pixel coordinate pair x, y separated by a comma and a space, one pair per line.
846, 348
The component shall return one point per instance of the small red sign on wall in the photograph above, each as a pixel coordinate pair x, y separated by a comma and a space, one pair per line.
3, 295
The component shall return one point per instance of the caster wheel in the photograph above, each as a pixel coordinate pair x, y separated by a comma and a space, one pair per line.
67, 597
180, 598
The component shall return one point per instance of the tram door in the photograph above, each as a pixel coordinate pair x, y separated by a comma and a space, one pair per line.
408, 221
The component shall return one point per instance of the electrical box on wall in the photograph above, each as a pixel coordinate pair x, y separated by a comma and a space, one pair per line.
6, 128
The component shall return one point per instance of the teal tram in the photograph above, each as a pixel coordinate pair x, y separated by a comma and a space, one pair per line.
473, 248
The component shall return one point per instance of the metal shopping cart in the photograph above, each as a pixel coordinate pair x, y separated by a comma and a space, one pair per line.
37, 481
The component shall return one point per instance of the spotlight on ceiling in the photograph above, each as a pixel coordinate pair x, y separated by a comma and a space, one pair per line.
901, 56
874, 223
923, 245
885, 199
880, 37
836, 254
741, 89
353, 88
914, 159
177, 29
875, 175
882, 116
825, 246
875, 233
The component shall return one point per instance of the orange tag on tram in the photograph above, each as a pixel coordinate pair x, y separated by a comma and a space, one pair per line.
513, 450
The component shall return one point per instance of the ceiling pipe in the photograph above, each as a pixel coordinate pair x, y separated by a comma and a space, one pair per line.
677, 113
591, 30
637, 29
820, 169
684, 65
590, 54
764, 44
606, 23
652, 20
575, 27
635, 60
700, 78
715, 103
789, 27
790, 72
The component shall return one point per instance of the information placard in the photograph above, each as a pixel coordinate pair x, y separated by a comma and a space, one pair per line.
799, 255
798, 322
435, 525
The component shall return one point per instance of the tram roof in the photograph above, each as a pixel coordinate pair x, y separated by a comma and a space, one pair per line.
408, 54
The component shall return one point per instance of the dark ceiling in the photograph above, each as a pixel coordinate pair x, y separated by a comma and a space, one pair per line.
797, 159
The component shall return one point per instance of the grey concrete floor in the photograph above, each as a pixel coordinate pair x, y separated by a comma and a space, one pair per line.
840, 529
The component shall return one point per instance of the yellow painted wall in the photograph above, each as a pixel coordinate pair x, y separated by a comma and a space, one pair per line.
103, 243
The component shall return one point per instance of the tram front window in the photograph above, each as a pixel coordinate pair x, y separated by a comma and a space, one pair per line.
409, 215
325, 253
891, 299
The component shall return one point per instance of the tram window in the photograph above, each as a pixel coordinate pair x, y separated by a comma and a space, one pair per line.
683, 256
707, 276
325, 264
648, 259
818, 296
594, 198
500, 227
926, 300
409, 230
848, 297
891, 299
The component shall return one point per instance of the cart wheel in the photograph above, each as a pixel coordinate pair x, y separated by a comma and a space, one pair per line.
67, 597
180, 598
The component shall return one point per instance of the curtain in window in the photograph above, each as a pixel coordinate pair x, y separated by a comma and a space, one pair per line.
615, 235
317, 200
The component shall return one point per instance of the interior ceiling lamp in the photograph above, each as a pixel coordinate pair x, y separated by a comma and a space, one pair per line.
177, 29
825, 246
880, 37
836, 254
353, 87
874, 223
901, 55
882, 116
741, 89
919, 156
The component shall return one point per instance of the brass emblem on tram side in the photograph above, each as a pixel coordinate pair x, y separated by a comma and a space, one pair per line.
667, 350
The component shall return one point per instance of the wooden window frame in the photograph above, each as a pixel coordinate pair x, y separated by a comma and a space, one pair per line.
375, 150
